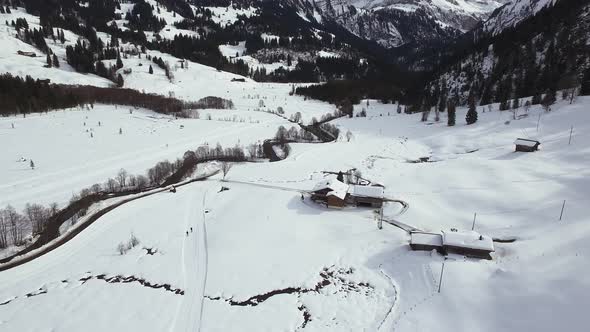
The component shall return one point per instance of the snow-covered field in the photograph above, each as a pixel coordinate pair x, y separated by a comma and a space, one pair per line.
253, 240
72, 151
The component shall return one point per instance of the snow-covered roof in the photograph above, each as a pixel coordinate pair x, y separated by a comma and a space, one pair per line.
366, 191
468, 239
430, 239
526, 142
337, 188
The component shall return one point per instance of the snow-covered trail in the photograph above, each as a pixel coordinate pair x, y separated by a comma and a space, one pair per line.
194, 266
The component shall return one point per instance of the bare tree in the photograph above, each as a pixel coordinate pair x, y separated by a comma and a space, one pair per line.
142, 181
281, 134
111, 185
53, 209
3, 230
225, 167
15, 224
96, 188
348, 136
132, 181
37, 217
253, 150
122, 178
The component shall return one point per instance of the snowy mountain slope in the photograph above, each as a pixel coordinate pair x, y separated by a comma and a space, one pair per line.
513, 13
394, 23
552, 51
22, 65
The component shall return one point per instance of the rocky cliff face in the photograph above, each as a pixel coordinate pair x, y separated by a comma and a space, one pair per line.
394, 23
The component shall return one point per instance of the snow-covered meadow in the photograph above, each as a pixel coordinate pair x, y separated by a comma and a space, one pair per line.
254, 239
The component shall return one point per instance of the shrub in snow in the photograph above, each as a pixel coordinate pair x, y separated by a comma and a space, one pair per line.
471, 116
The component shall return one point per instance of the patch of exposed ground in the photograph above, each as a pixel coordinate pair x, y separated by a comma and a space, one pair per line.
332, 276
108, 279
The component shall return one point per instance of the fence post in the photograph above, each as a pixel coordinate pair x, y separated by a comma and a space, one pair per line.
562, 207
474, 216
571, 132
442, 271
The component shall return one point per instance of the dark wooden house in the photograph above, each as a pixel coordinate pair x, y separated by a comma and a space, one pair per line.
526, 145
29, 54
331, 192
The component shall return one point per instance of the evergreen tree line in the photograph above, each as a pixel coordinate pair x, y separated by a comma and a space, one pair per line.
353, 91
22, 96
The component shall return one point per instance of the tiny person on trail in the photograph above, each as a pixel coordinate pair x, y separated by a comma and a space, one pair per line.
191, 229
186, 233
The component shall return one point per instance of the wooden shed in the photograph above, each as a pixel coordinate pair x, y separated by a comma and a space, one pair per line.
29, 54
526, 145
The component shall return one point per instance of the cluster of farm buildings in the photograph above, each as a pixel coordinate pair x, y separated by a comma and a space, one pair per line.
334, 193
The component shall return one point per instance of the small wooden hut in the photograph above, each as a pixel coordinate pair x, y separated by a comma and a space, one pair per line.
526, 145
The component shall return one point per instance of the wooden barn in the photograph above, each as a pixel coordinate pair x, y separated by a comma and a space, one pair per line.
369, 196
526, 145
331, 192
468, 244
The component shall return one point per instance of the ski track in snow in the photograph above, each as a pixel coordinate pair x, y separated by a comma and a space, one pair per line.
194, 268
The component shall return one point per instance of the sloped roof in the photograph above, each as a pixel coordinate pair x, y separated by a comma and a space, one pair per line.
366, 191
468, 239
430, 239
336, 187
526, 142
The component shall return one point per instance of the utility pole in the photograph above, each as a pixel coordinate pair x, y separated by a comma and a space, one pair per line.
562, 207
571, 132
442, 271
474, 216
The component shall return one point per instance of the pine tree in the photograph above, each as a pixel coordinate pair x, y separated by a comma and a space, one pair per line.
120, 81
451, 112
515, 103
119, 61
585, 89
32, 164
48, 60
55, 61
471, 116
151, 70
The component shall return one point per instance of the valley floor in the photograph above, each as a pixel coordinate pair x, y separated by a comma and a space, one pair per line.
259, 258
